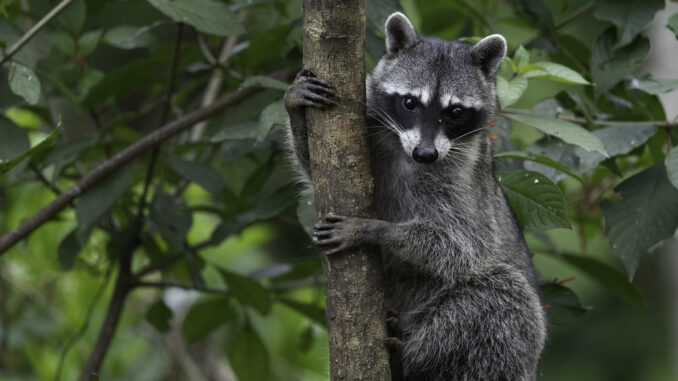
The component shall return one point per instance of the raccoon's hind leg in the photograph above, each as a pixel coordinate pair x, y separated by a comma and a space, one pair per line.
307, 90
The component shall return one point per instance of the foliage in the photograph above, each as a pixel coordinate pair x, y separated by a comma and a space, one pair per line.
580, 142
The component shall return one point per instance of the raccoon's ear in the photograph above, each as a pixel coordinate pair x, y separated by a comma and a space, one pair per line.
400, 33
488, 52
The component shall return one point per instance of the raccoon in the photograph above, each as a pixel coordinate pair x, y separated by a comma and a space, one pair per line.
459, 275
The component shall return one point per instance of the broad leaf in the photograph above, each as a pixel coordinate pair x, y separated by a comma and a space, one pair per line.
629, 16
672, 166
68, 250
544, 160
208, 16
202, 174
172, 218
537, 202
89, 41
96, 202
509, 92
568, 132
6, 165
561, 303
248, 291
159, 316
559, 73
128, 37
311, 311
655, 85
273, 115
646, 214
248, 356
24, 83
265, 82
609, 65
557, 151
612, 279
618, 140
14, 143
208, 314
521, 58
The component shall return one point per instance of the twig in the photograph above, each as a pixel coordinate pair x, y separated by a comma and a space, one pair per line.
34, 30
216, 80
125, 278
109, 166
572, 17
168, 260
83, 328
286, 286
658, 123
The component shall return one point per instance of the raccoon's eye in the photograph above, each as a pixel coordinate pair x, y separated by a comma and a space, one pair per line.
456, 112
409, 103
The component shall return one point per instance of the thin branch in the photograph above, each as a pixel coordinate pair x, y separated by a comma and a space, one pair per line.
34, 30
286, 286
83, 328
574, 16
658, 123
169, 259
216, 80
120, 159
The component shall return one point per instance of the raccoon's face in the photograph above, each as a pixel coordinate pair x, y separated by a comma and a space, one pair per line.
433, 94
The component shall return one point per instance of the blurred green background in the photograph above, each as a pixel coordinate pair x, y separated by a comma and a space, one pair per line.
237, 293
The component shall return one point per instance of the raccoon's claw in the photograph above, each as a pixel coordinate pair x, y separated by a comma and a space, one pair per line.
336, 233
307, 90
394, 344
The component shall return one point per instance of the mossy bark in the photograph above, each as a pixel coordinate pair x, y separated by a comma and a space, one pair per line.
334, 49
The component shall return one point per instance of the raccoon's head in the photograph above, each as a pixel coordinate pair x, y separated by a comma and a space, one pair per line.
434, 94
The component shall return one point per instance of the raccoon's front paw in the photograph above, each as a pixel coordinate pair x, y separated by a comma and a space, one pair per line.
307, 90
338, 233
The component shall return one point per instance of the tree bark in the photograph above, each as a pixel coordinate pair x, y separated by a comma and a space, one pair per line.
334, 49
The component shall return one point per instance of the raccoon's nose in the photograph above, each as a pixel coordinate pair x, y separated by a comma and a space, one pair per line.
425, 154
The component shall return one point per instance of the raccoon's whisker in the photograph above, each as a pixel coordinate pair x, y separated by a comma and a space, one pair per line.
470, 132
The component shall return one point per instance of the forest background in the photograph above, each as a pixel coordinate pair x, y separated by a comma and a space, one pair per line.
196, 246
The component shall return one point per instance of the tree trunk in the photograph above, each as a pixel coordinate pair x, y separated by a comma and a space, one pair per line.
334, 49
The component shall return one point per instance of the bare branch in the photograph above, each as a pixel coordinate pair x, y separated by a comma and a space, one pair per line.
109, 166
34, 30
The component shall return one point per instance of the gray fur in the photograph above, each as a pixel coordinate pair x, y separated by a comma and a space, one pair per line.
458, 270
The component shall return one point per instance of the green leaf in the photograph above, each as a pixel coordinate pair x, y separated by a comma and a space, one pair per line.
646, 214
509, 92
609, 65
172, 218
126, 80
24, 83
265, 82
13, 144
96, 202
521, 57
159, 316
672, 166
560, 73
274, 114
208, 314
618, 140
537, 202
89, 41
544, 160
208, 16
608, 277
6, 165
673, 23
248, 356
561, 303
568, 132
73, 17
248, 291
655, 86
533, 70
68, 250
203, 174
629, 16
311, 311
555, 150
129, 37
